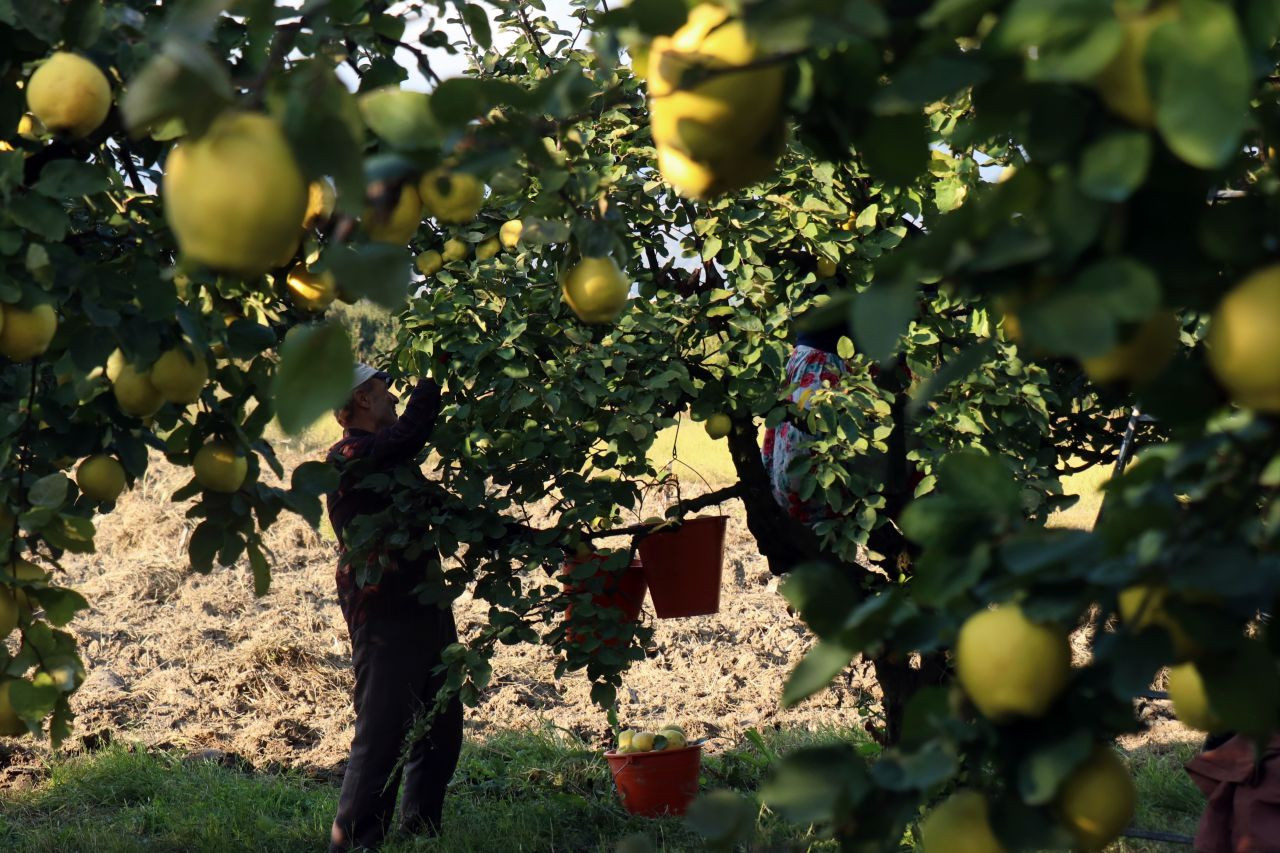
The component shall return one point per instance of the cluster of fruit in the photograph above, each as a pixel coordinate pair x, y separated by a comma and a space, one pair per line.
670, 736
1012, 668
715, 105
432, 261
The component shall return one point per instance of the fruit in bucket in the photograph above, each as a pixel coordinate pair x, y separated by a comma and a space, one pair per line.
675, 738
670, 736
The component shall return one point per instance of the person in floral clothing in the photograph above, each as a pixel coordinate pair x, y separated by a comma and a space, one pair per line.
813, 365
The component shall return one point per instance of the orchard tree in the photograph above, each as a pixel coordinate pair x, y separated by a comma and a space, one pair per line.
189, 187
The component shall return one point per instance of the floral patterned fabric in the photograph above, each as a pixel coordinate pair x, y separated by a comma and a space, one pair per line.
784, 452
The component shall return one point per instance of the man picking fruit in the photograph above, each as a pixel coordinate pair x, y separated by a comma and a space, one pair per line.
396, 639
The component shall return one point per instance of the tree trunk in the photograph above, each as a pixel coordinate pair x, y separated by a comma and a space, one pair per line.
899, 681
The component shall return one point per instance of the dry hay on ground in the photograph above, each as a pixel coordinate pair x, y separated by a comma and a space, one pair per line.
195, 662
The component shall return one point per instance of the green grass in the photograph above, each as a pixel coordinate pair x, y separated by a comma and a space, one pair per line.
516, 791
1088, 485
693, 455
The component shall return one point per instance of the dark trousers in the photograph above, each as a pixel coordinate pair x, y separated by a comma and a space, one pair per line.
393, 657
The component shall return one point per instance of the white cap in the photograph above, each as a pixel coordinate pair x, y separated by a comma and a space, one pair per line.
363, 374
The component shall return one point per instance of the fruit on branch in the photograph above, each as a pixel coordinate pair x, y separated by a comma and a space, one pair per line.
398, 226
453, 197
26, 333
100, 478
596, 290
11, 724
69, 94
1123, 84
310, 291
429, 262
1142, 606
698, 180
960, 824
135, 394
179, 375
454, 250
510, 233
719, 425
1243, 347
235, 198
219, 468
24, 572
488, 249
321, 202
826, 268
8, 611
30, 127
1010, 666
714, 106
1096, 801
1140, 358
1190, 701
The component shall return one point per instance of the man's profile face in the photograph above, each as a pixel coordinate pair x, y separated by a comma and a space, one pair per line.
382, 403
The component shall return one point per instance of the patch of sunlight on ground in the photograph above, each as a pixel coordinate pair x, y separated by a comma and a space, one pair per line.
1088, 485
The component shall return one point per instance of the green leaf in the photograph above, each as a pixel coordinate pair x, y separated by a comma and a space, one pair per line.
185, 81
49, 491
919, 83
32, 702
71, 533
458, 100
314, 374
261, 571
542, 232
812, 783
604, 694
60, 604
68, 178
723, 818
820, 665
377, 271
932, 764
478, 22
40, 18
1244, 688
401, 117
320, 107
880, 316
957, 367
315, 477
822, 593
1064, 40
895, 148
980, 481
40, 215
1043, 769
1200, 81
1116, 165
204, 545
658, 17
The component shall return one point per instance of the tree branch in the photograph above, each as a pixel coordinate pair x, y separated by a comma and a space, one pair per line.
529, 31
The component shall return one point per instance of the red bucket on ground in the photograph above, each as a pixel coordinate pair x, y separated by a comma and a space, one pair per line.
653, 784
683, 567
622, 591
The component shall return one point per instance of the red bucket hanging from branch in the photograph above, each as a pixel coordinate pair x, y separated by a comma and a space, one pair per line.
683, 567
622, 591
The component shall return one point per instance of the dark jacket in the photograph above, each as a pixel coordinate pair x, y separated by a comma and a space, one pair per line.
358, 454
